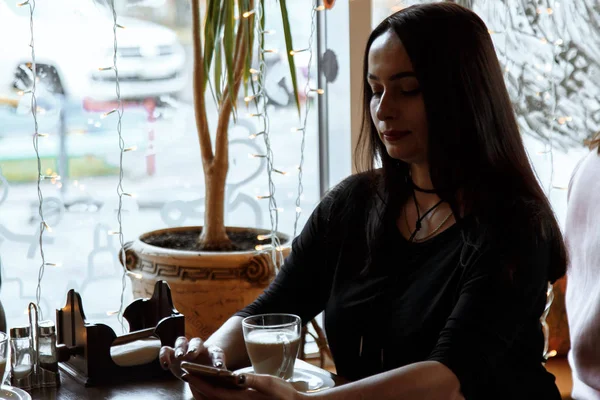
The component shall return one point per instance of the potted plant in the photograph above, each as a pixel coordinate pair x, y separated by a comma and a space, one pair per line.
211, 271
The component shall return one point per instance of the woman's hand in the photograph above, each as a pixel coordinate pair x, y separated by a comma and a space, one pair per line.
257, 387
193, 351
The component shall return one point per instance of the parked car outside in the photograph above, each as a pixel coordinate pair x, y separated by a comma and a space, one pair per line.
74, 39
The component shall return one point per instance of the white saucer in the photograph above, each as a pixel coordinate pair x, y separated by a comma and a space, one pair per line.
13, 393
316, 380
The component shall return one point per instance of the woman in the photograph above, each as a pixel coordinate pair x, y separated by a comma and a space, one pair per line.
433, 269
582, 234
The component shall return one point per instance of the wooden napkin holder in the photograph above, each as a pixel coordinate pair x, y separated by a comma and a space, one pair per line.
84, 347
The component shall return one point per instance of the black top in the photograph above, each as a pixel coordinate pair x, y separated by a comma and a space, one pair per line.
438, 300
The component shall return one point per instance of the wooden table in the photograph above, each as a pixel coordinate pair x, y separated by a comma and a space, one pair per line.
149, 390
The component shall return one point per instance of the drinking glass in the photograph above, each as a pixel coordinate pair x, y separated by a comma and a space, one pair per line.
273, 342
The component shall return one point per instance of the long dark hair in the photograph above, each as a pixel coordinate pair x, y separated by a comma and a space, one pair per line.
475, 147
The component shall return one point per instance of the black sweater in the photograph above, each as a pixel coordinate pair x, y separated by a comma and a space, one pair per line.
438, 300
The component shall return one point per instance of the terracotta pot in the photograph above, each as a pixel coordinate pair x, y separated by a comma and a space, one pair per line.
207, 287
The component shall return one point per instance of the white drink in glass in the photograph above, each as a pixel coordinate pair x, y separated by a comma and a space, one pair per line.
21, 371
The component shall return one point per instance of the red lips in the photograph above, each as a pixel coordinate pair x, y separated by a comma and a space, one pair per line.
392, 135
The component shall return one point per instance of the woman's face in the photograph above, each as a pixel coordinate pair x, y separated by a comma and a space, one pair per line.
397, 106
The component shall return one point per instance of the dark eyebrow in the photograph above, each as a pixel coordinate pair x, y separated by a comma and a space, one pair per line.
394, 77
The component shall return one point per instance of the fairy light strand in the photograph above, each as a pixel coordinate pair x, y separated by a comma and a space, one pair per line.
549, 143
262, 114
120, 191
307, 90
550, 293
34, 109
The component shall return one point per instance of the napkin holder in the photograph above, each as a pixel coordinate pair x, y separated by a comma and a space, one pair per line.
85, 347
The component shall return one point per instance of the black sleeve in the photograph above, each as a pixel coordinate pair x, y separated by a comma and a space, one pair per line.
495, 302
303, 284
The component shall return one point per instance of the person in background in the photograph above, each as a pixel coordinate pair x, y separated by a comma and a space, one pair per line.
432, 270
582, 299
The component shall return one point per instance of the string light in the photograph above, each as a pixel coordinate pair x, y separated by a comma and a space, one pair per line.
49, 264
262, 247
549, 146
105, 69
262, 113
51, 177
248, 99
294, 52
318, 91
132, 148
36, 135
551, 353
279, 172
135, 275
41, 135
255, 135
120, 191
257, 155
106, 114
307, 89
248, 13
264, 237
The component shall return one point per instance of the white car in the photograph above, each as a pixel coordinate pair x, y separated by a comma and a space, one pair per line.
74, 39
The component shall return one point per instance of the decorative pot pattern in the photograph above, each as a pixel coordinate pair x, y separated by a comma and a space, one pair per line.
207, 287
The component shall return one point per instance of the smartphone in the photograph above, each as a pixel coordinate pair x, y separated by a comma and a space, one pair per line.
216, 376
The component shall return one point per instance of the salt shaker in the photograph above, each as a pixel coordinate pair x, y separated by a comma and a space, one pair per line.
48, 375
21, 358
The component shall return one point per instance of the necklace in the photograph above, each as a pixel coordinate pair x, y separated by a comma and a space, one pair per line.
430, 234
419, 189
419, 216
414, 186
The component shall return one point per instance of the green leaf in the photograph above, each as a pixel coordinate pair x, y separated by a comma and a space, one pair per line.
229, 44
250, 52
289, 47
211, 35
262, 18
218, 71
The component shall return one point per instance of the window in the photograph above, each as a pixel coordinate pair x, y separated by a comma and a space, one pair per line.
73, 39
